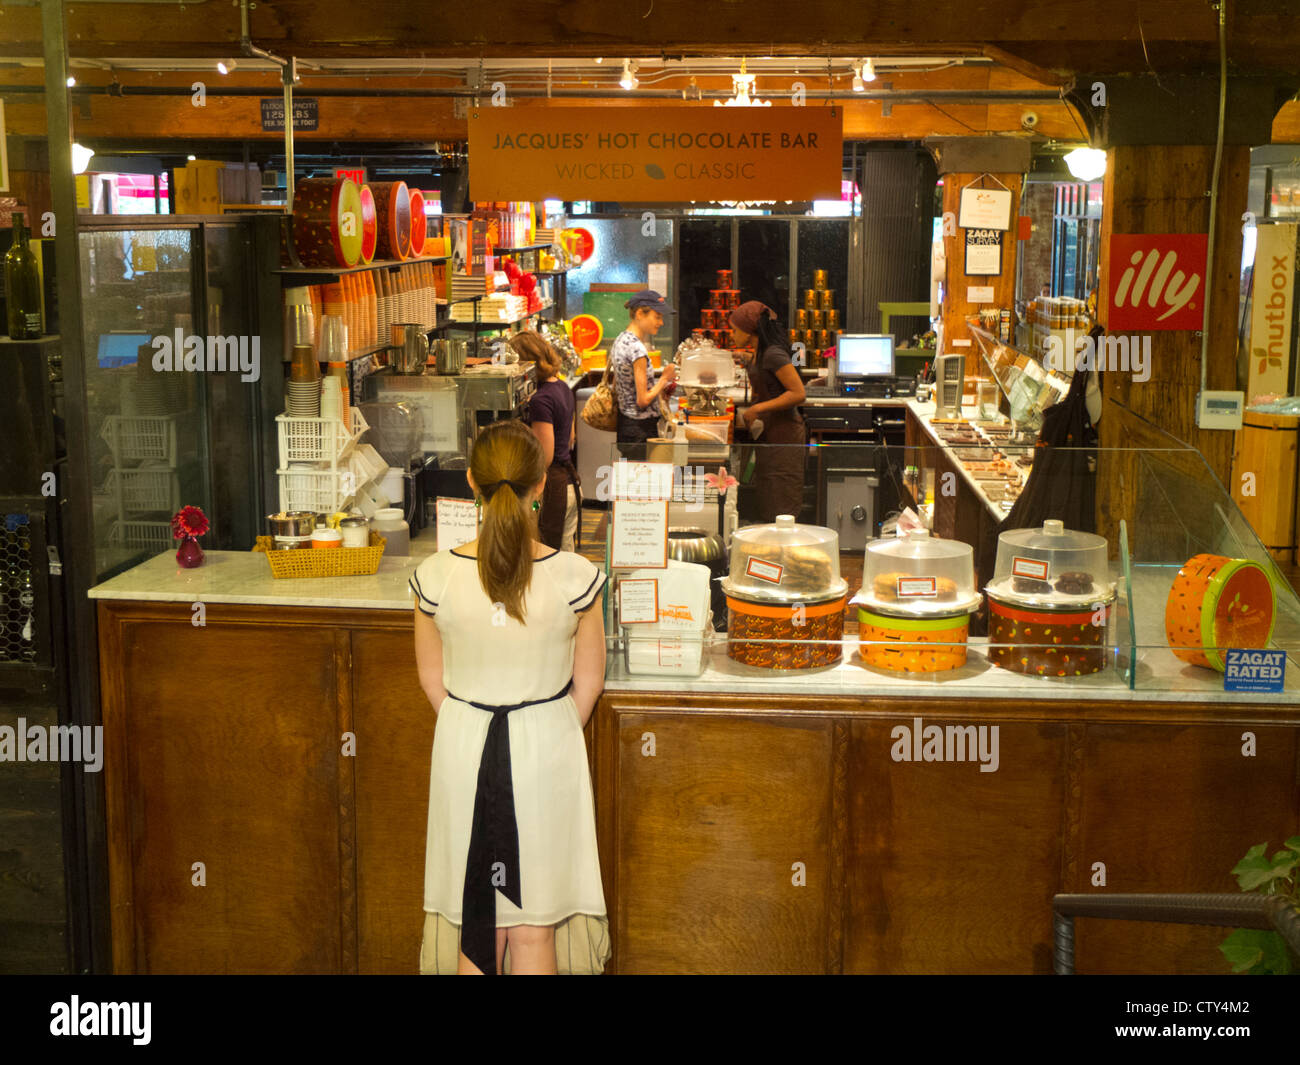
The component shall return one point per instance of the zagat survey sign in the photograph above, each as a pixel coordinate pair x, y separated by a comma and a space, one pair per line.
659, 154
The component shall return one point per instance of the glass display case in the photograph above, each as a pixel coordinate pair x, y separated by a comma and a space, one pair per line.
1170, 595
174, 367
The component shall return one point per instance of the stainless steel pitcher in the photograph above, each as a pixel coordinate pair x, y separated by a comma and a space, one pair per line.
410, 348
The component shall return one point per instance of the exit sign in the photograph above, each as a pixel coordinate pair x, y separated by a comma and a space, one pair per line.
358, 176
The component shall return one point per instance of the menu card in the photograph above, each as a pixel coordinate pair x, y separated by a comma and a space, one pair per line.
638, 601
639, 537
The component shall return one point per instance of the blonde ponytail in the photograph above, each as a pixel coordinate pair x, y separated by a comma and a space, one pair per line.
507, 463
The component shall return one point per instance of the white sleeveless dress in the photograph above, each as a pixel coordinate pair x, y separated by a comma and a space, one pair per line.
490, 658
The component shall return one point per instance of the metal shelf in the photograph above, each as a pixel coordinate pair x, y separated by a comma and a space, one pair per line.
522, 247
315, 275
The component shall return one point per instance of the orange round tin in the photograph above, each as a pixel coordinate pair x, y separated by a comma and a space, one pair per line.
393, 207
1217, 603
912, 645
1047, 643
797, 636
369, 225
327, 222
419, 223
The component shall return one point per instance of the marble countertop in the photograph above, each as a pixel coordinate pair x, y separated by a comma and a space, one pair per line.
1160, 678
245, 577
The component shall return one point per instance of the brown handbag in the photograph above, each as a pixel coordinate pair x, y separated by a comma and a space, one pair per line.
601, 409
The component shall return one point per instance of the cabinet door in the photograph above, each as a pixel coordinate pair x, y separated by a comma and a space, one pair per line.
1170, 808
394, 726
952, 869
723, 850
222, 748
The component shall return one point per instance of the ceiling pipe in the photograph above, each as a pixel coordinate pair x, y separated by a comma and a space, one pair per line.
952, 96
288, 75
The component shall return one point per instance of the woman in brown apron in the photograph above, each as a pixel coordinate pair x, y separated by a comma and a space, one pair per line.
550, 415
777, 392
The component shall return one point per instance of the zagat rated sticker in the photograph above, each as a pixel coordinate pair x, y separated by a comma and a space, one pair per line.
917, 587
1029, 567
764, 571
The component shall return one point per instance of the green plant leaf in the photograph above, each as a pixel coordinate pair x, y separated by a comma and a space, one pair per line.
1256, 852
1293, 844
1256, 878
1285, 861
1251, 868
1243, 948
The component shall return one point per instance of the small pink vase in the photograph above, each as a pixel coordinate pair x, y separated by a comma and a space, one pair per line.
189, 554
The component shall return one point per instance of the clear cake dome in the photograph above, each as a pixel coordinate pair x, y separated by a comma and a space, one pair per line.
918, 576
785, 562
706, 368
1051, 566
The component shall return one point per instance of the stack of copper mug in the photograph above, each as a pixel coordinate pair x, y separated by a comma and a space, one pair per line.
817, 321
715, 318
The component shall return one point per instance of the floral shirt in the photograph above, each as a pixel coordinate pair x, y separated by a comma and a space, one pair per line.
623, 354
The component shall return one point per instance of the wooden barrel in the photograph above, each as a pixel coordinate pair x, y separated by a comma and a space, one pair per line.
1216, 603
393, 206
327, 222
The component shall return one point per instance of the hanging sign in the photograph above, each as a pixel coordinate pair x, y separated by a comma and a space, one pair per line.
1271, 306
984, 208
656, 154
1155, 281
983, 252
585, 332
357, 175
305, 116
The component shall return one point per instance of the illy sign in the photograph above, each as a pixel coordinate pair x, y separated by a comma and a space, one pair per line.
1156, 281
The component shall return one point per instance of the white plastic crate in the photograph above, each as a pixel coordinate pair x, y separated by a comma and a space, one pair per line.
323, 491
317, 439
140, 438
145, 490
142, 535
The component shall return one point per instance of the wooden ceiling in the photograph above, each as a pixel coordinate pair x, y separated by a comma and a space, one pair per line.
1097, 36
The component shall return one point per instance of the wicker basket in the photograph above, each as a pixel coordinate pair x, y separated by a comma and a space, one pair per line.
334, 562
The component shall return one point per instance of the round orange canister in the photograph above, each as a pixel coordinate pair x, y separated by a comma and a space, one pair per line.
806, 636
327, 222
418, 223
912, 645
1217, 603
369, 225
393, 206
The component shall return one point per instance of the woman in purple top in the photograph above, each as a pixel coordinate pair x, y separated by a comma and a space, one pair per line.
550, 413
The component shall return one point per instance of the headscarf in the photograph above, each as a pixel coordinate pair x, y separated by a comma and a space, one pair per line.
747, 315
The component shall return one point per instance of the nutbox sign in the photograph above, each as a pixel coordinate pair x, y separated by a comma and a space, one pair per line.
1156, 281
656, 154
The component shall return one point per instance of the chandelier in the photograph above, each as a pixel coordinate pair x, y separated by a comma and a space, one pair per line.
742, 87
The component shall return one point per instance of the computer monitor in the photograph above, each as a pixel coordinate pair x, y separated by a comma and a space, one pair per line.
120, 349
864, 355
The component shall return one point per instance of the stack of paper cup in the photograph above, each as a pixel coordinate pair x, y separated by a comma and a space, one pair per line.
331, 399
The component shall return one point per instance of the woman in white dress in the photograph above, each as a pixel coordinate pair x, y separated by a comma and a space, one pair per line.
510, 644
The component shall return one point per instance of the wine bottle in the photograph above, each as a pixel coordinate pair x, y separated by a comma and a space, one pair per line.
22, 287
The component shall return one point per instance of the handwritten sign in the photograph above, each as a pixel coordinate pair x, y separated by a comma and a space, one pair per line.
643, 480
979, 294
984, 209
639, 537
457, 522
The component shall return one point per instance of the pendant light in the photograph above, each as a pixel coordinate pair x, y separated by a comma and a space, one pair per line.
628, 80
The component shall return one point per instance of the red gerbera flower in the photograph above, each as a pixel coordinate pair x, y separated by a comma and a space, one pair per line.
189, 521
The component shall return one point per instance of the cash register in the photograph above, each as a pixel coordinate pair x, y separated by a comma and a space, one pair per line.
863, 368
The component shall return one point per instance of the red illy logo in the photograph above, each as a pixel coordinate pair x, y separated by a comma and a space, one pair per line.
1156, 281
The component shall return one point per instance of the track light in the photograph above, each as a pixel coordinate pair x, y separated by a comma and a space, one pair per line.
1086, 164
71, 81
628, 80
857, 78
868, 71
225, 66
600, 59
81, 158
